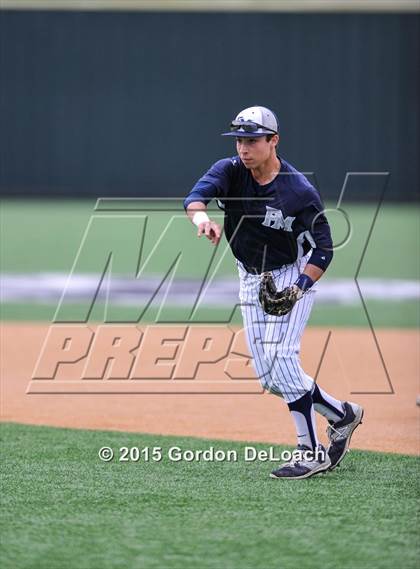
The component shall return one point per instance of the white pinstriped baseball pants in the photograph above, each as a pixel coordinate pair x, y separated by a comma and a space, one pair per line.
274, 342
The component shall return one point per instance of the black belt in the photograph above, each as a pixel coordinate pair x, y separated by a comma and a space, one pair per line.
252, 270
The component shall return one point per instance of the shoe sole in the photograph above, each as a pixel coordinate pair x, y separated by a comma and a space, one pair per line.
358, 421
322, 468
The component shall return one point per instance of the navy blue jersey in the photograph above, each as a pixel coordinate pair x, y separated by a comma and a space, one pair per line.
268, 225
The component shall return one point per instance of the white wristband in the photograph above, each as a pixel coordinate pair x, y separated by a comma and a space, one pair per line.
200, 217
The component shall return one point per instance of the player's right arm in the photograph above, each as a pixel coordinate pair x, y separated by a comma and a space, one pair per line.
196, 212
214, 184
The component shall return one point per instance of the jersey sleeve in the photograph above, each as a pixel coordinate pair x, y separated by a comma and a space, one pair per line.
317, 224
214, 184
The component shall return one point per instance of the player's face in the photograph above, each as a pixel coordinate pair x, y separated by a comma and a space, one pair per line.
255, 151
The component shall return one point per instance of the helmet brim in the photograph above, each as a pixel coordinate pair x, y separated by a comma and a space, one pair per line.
238, 134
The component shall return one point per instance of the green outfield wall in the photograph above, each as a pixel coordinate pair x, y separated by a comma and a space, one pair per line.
132, 103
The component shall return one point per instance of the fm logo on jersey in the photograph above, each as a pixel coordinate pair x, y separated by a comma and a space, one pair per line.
274, 218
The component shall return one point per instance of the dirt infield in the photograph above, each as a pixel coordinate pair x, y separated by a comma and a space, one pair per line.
213, 405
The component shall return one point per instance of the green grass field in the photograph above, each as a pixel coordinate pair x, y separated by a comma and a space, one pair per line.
44, 236
395, 314
64, 508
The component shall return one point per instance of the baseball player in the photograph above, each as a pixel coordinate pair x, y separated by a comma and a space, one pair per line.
280, 237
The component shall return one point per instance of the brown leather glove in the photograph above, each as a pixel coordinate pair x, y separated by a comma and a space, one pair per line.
277, 303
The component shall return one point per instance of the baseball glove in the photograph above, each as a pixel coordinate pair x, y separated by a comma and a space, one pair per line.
277, 303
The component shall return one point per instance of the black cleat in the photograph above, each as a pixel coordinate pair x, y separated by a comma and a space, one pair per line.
307, 463
340, 433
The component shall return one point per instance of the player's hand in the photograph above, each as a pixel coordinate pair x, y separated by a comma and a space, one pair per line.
211, 230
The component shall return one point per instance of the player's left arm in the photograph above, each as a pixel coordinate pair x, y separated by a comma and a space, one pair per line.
313, 272
280, 303
319, 235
